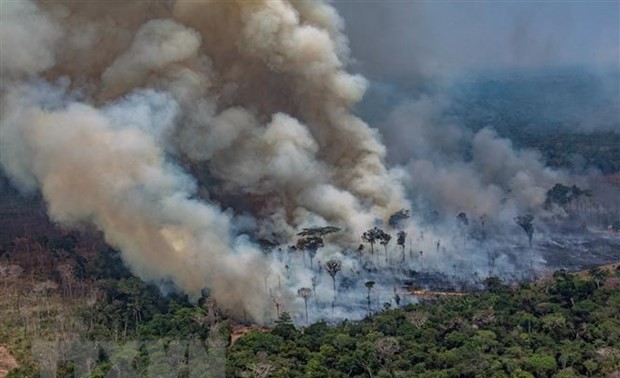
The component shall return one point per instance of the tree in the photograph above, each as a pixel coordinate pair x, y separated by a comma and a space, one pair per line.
371, 237
541, 364
332, 267
401, 237
369, 285
375, 235
260, 369
312, 239
417, 318
525, 222
384, 240
386, 348
305, 293
598, 276
311, 244
563, 194
284, 326
398, 217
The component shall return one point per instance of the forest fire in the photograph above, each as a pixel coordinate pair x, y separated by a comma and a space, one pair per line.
227, 158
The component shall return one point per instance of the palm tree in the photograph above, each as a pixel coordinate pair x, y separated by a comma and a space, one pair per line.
311, 244
525, 222
374, 235
305, 293
332, 267
371, 237
384, 240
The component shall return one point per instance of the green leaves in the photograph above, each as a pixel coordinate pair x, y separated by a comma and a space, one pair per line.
566, 327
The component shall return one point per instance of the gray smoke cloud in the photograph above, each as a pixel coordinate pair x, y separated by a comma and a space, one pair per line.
453, 169
110, 110
187, 131
409, 39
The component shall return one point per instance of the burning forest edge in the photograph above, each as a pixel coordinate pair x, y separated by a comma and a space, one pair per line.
228, 174
215, 145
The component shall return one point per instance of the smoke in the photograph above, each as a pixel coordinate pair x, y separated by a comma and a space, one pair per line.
28, 39
201, 137
484, 72
418, 40
185, 130
454, 169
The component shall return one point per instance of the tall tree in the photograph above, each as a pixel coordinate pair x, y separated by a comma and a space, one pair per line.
371, 237
284, 326
525, 222
386, 348
384, 240
311, 244
375, 235
369, 285
311, 239
305, 293
332, 267
401, 237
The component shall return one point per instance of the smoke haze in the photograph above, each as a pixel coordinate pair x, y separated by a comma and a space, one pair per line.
107, 109
188, 131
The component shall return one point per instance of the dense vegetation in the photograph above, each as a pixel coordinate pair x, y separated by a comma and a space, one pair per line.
567, 326
70, 286
564, 326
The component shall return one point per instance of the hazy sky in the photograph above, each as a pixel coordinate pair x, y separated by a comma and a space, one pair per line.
396, 38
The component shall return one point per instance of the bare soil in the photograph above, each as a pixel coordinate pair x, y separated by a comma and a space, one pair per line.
7, 362
239, 330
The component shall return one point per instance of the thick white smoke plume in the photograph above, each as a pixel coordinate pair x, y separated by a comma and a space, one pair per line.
111, 109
